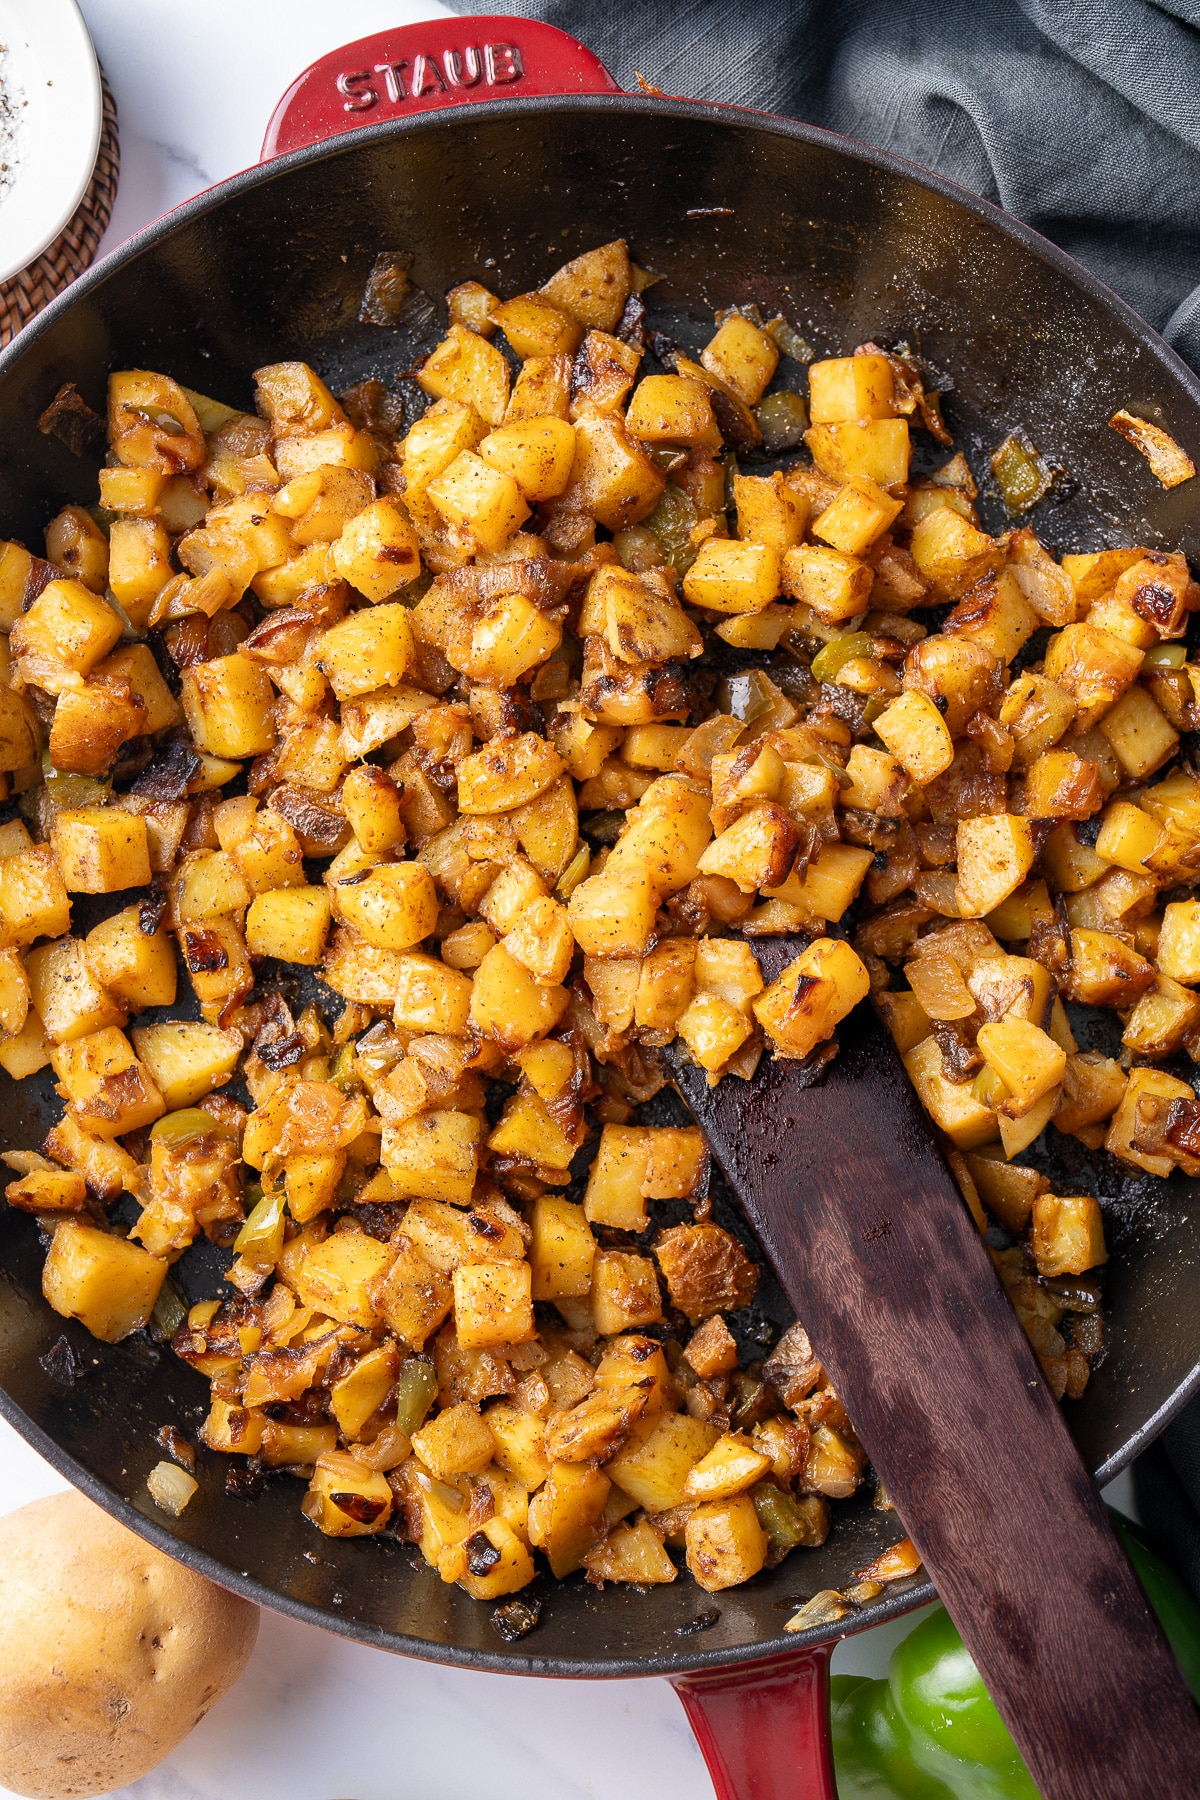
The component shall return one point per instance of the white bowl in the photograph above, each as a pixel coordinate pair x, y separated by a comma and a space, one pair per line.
50, 76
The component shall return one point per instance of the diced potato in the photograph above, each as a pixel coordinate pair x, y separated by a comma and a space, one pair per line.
636, 1163
1128, 836
951, 1105
1061, 785
1147, 1097
480, 497
377, 551
139, 564
742, 356
725, 1543
733, 576
109, 1090
134, 965
995, 853
835, 585
671, 409
804, 1005
851, 387
1141, 736
187, 1060
455, 1441
507, 773
68, 998
66, 629
394, 908
100, 850
1104, 971
537, 454
466, 368
1093, 1087
1178, 953
534, 326
228, 703
509, 1005
105, 1281
433, 1156
493, 1304
731, 1467
1163, 1020
291, 924
915, 732
413, 1297
869, 450
356, 1396
625, 1293
345, 1498
48, 1191
631, 1553
613, 915
859, 513
338, 1277
660, 1452
1025, 1058
368, 650
1068, 1235
565, 1515
995, 612
562, 1250
610, 477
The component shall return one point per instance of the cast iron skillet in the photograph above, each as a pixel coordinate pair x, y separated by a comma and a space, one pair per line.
727, 206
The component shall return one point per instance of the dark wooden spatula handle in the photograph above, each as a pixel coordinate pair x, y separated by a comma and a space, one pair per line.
854, 1204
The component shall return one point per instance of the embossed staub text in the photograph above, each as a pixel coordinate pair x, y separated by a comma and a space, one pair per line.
441, 72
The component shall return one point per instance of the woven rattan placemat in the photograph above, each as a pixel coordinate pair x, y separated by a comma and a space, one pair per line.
75, 246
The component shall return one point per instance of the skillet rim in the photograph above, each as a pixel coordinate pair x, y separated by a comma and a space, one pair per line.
692, 1660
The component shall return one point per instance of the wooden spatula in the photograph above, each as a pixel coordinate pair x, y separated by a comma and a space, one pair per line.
855, 1206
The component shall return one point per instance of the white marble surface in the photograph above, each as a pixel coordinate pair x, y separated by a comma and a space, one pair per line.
314, 1717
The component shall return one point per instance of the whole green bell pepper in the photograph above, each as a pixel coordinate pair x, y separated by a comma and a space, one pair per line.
929, 1731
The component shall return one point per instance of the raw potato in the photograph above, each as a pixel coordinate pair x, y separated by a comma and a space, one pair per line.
110, 1652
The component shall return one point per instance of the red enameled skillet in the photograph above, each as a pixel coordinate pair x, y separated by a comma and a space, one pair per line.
497, 148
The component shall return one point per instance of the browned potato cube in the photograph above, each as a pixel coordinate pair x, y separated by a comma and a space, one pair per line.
725, 1543
1068, 1235
395, 907
466, 368
562, 1250
291, 924
377, 551
433, 1157
734, 576
33, 900
100, 850
743, 356
187, 1060
228, 703
105, 1281
68, 999
370, 649
345, 1498
625, 1292
566, 1514
802, 1007
493, 1304
594, 287
130, 963
64, 633
610, 477
534, 326
851, 387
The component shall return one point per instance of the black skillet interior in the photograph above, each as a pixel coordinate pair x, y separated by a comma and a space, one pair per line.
726, 207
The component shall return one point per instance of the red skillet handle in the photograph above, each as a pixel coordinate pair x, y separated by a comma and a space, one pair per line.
417, 68
763, 1729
